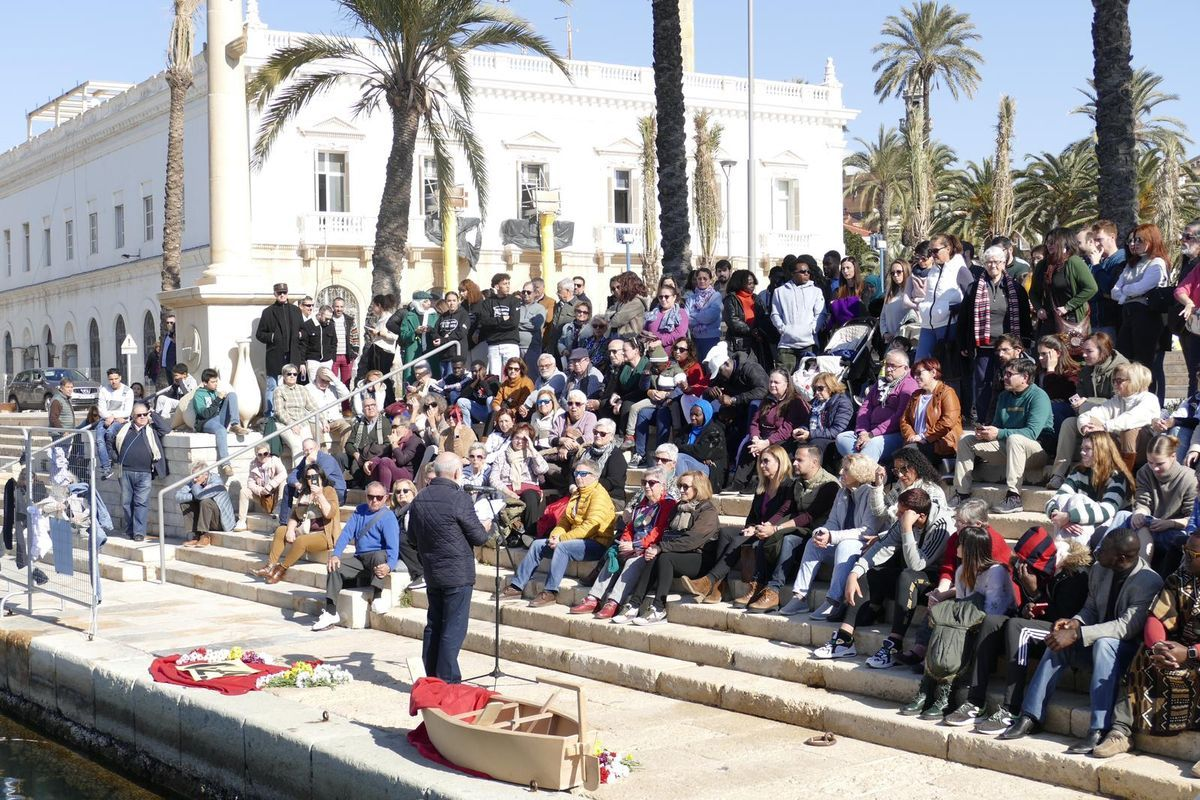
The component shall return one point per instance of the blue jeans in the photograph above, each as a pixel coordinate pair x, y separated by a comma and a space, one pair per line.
877, 448
272, 385
563, 554
928, 338
704, 345
1109, 657
981, 387
473, 411
218, 425
686, 463
445, 629
102, 439
135, 498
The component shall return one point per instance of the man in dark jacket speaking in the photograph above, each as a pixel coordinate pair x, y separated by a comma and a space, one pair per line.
442, 520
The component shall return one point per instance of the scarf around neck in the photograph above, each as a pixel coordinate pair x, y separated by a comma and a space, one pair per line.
670, 319
600, 454
983, 309
747, 300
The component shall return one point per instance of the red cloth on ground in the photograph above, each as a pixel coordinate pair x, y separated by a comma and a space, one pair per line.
452, 698
164, 670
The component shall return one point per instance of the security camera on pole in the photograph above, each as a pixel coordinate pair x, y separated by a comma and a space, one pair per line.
129, 349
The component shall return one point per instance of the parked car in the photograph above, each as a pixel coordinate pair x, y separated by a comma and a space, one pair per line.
34, 387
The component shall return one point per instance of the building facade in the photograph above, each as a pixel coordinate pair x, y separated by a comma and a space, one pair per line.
81, 203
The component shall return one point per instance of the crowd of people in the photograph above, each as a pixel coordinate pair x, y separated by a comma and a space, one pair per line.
1041, 372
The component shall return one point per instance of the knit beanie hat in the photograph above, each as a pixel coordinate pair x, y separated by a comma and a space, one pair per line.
657, 354
1037, 549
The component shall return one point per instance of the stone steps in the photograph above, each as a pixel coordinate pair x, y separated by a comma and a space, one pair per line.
306, 574
799, 695
288, 596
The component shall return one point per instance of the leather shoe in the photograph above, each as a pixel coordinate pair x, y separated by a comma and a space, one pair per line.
752, 590
1087, 745
1022, 726
698, 586
767, 601
543, 599
1114, 744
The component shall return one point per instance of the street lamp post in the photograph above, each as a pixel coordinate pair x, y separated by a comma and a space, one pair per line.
727, 165
750, 227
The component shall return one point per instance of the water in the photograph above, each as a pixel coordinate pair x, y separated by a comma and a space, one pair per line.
35, 768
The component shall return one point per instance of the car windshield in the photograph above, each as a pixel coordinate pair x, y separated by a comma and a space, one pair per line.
56, 375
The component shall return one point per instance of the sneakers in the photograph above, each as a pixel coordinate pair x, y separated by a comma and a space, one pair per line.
510, 593
996, 722
608, 610
835, 648
824, 611
380, 606
885, 656
627, 444
653, 616
239, 526
940, 703
964, 715
626, 615
326, 620
1055, 483
588, 606
797, 605
1115, 743
1011, 504
418, 583
544, 599
957, 500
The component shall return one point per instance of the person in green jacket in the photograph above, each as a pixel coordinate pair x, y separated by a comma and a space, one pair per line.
217, 413
418, 321
1022, 416
1062, 286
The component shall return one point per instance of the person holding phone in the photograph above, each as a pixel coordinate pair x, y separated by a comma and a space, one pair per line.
312, 527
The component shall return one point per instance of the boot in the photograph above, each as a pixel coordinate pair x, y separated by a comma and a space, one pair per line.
263, 571
940, 704
920, 700
715, 594
277, 573
766, 602
700, 587
750, 596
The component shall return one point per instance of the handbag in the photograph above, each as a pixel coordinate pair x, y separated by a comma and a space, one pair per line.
1075, 332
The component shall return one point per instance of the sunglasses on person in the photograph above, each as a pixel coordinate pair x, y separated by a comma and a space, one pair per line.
602, 433
477, 457
312, 476
263, 453
513, 369
650, 482
307, 305
685, 486
579, 285
1136, 240
663, 459
619, 351
574, 403
404, 491
582, 312
543, 402
290, 374
141, 414
683, 348
580, 473
665, 296
377, 497
527, 291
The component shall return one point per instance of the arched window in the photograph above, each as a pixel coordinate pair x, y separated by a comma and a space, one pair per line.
8, 354
94, 350
119, 331
149, 334
69, 354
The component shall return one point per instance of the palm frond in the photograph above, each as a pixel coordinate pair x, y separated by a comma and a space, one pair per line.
284, 107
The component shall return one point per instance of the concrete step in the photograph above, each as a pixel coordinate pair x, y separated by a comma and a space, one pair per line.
800, 695
140, 552
239, 562
290, 596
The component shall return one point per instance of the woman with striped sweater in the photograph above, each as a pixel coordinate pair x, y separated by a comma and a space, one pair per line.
1093, 493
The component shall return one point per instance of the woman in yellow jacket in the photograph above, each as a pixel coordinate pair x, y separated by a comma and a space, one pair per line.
584, 533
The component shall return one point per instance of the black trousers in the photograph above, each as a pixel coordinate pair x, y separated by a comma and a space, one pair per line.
893, 579
661, 572
728, 552
410, 557
1017, 644
356, 570
1137, 338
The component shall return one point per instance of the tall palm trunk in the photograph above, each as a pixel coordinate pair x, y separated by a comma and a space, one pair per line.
1002, 187
671, 141
1113, 76
391, 229
179, 81
647, 127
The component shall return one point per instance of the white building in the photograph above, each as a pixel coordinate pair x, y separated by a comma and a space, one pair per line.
81, 203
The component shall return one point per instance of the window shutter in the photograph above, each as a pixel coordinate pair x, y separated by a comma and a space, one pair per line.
612, 211
794, 205
635, 199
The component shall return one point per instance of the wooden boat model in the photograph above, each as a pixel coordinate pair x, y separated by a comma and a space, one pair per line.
521, 742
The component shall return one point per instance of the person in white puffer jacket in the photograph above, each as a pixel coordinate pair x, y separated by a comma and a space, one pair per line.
940, 292
1132, 408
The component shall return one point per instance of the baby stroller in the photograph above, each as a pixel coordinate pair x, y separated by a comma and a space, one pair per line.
847, 354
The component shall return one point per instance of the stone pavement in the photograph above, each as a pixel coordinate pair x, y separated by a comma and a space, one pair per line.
687, 750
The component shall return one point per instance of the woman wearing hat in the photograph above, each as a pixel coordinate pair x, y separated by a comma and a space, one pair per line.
414, 331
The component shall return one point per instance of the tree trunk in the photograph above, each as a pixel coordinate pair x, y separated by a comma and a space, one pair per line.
671, 141
391, 229
172, 233
1115, 144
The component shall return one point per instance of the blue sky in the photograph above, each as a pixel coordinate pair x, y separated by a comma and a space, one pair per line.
1038, 51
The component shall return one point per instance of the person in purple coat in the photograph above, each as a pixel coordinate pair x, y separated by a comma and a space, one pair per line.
876, 431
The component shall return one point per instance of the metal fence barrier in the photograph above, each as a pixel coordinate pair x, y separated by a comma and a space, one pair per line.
59, 523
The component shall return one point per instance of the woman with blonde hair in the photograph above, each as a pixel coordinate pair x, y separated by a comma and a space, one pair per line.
770, 507
939, 292
1127, 415
840, 540
830, 414
1164, 498
1093, 493
546, 410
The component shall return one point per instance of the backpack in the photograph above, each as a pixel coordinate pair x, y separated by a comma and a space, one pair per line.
952, 620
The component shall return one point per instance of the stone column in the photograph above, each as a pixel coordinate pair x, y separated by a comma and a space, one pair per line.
687, 30
450, 251
546, 229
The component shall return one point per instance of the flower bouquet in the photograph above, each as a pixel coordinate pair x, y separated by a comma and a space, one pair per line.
215, 655
304, 675
614, 765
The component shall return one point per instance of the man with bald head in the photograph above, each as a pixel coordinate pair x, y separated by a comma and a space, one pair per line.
376, 536
443, 523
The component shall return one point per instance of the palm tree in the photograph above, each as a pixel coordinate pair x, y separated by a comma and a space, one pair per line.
671, 141
881, 175
179, 80
707, 193
1115, 142
966, 205
651, 266
412, 47
1056, 190
1149, 131
921, 183
926, 44
1002, 185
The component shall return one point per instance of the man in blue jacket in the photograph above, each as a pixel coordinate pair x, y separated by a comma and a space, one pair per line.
442, 520
376, 536
137, 448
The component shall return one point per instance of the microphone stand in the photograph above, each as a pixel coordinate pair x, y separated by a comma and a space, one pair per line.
496, 673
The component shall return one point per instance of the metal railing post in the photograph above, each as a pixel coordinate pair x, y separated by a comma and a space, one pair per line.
162, 524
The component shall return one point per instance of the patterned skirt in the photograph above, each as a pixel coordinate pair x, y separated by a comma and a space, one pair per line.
1163, 702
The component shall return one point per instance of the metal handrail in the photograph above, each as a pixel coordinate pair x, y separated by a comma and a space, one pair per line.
162, 525
17, 460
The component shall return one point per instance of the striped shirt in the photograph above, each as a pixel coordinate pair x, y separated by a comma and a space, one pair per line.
1088, 509
922, 549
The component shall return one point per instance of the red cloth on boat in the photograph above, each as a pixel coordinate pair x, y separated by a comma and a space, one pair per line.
452, 698
164, 670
